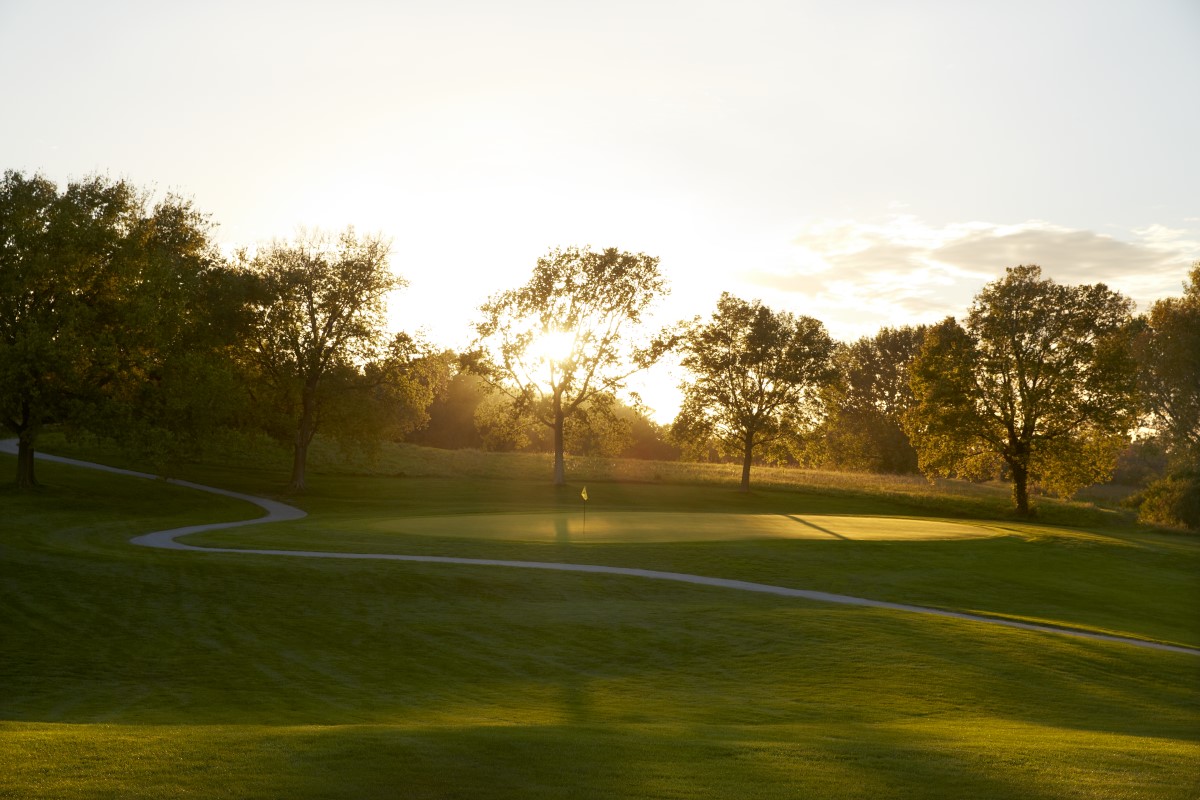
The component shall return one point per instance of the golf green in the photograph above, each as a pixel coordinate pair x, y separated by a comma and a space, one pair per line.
642, 526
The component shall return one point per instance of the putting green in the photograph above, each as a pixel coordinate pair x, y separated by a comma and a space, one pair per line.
632, 526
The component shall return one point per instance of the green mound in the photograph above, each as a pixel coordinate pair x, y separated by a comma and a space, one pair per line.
633, 526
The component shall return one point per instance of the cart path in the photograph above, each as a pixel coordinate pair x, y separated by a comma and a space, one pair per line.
281, 512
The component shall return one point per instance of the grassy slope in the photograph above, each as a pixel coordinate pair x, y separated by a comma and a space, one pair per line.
141, 673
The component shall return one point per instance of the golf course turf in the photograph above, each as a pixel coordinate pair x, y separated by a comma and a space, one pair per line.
136, 672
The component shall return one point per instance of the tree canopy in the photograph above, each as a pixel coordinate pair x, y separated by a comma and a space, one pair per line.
1168, 349
865, 405
560, 343
1169, 352
1041, 378
755, 376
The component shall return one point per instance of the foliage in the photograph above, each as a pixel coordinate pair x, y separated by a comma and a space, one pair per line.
1140, 463
113, 315
1172, 501
865, 404
647, 440
755, 373
559, 342
604, 427
319, 318
1169, 352
386, 398
1040, 378
500, 426
1078, 461
181, 385
452, 414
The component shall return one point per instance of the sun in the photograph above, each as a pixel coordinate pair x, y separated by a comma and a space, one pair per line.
554, 346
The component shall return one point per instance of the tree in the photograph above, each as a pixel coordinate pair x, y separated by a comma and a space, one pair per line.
755, 373
866, 402
91, 282
319, 318
1168, 350
1169, 353
1041, 378
559, 342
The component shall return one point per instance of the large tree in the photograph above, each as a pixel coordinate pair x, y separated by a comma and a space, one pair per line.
95, 302
755, 376
1041, 378
1169, 353
561, 341
1168, 349
319, 321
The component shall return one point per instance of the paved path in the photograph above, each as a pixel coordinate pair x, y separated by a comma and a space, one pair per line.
281, 512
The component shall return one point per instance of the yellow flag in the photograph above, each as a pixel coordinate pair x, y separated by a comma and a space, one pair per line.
583, 494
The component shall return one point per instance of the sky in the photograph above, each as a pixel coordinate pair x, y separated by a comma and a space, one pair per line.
864, 163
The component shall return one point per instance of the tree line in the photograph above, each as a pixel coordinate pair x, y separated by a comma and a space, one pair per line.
121, 316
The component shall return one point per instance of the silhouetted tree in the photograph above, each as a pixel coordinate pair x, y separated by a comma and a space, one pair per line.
560, 341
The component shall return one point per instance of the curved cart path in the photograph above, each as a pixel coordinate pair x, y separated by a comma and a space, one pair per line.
281, 512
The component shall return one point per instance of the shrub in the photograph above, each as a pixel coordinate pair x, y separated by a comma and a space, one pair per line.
1173, 502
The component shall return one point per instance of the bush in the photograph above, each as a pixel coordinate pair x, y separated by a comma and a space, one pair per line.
1173, 502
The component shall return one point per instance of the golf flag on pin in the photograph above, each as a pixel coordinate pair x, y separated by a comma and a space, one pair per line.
583, 494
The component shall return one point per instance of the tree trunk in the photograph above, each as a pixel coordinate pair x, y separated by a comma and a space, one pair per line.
746, 457
1020, 493
560, 469
25, 475
304, 436
299, 466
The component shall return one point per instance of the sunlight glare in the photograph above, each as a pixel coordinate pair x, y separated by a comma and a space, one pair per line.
553, 346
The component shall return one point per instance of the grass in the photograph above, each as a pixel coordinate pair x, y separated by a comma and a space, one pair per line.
139, 673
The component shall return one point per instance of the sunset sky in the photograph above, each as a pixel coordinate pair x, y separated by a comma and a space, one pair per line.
865, 163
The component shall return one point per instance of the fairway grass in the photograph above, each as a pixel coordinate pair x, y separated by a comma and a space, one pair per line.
132, 672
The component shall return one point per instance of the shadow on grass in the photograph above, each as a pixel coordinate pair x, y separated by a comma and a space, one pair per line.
551, 760
815, 526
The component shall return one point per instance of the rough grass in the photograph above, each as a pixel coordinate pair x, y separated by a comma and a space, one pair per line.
139, 673
267, 464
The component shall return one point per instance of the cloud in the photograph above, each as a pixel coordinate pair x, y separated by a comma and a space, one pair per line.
1070, 256
858, 277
